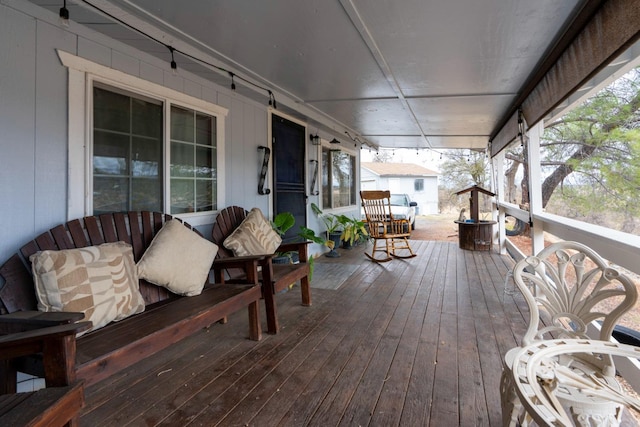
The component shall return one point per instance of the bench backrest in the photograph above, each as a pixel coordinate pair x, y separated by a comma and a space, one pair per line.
227, 221
136, 228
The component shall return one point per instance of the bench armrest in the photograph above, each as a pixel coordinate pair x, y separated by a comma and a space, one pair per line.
247, 263
300, 247
21, 321
30, 342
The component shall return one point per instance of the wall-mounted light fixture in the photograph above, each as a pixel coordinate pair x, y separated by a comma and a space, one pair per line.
315, 139
334, 141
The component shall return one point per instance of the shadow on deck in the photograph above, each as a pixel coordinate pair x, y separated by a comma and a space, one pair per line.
410, 342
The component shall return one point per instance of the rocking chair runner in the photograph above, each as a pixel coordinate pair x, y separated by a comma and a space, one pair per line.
382, 226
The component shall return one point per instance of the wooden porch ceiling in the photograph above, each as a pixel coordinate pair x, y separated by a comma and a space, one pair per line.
410, 342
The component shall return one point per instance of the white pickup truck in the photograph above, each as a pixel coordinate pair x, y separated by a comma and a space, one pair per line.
403, 208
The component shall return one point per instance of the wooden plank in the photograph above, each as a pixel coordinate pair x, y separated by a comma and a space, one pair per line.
412, 342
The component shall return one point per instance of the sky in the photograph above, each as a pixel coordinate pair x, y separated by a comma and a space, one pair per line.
427, 158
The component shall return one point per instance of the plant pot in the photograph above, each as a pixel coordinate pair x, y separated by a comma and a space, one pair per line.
335, 236
289, 258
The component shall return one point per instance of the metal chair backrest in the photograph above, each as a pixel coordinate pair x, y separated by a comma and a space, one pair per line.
574, 286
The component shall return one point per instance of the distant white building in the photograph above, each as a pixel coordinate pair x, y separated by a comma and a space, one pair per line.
420, 183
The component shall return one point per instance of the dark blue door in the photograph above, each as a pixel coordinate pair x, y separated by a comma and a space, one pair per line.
289, 171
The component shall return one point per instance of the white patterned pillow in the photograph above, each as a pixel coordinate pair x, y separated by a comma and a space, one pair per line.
254, 236
99, 281
178, 259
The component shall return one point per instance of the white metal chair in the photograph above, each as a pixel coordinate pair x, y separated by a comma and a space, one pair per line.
537, 377
574, 287
383, 226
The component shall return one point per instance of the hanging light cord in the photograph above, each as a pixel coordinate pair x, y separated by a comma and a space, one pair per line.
272, 98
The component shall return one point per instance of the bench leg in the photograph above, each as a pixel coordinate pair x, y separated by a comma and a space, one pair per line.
306, 291
8, 377
255, 330
270, 307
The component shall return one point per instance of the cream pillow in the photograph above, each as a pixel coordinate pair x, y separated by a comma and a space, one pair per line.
99, 281
254, 236
178, 259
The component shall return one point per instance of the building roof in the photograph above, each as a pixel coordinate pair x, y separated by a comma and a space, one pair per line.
397, 169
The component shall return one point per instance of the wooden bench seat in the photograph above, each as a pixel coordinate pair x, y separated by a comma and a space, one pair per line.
167, 318
48, 407
273, 277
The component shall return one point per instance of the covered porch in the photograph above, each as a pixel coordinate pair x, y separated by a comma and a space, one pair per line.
410, 342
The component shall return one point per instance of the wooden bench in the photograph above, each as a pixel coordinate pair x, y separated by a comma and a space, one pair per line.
167, 318
274, 277
60, 403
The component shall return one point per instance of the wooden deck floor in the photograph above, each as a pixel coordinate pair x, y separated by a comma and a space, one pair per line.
410, 343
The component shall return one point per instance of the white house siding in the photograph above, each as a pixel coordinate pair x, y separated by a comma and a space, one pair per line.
33, 120
427, 199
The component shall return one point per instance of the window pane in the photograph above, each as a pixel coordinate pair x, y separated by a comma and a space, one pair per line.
110, 153
204, 162
182, 195
338, 178
110, 195
146, 195
182, 160
120, 154
182, 124
112, 111
146, 158
204, 195
342, 179
205, 129
193, 162
146, 118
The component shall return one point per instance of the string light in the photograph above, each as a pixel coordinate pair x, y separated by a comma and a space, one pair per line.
64, 14
174, 67
233, 84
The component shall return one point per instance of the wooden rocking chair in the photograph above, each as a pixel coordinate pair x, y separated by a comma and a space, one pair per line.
382, 226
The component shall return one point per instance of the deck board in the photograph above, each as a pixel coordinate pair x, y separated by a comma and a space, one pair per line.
408, 342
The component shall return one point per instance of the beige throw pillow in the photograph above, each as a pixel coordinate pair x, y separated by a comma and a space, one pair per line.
99, 281
254, 236
178, 259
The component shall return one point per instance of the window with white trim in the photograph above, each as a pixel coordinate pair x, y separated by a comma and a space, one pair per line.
150, 147
338, 178
128, 154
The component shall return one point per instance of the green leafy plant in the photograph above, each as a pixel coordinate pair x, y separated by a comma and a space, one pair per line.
330, 221
353, 229
283, 222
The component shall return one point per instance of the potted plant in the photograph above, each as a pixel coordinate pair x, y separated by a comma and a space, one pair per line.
309, 234
352, 230
281, 223
333, 226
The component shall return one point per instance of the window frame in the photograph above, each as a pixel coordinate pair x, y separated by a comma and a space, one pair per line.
83, 74
326, 145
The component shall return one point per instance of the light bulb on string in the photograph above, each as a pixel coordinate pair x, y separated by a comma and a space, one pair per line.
174, 66
64, 14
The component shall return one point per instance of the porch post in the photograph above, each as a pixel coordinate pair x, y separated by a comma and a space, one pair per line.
535, 187
498, 215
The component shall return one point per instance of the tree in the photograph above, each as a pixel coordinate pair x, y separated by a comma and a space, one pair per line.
591, 154
461, 170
